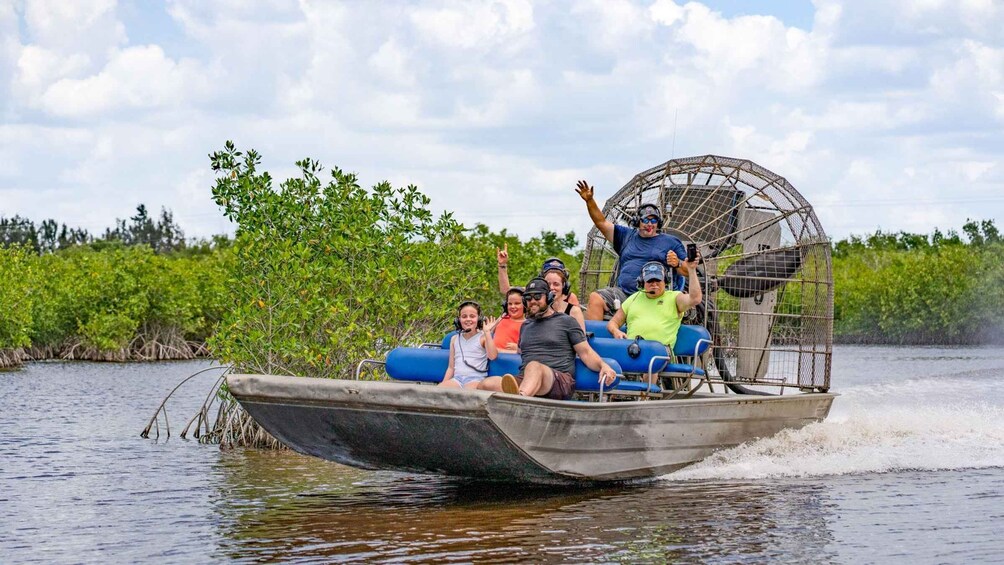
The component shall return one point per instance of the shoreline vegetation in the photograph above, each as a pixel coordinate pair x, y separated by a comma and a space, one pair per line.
321, 274
139, 293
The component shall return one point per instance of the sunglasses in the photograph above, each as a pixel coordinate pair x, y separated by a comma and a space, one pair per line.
533, 295
650, 220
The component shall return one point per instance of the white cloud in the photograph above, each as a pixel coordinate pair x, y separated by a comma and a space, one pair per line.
749, 49
484, 104
39, 67
666, 12
480, 26
71, 27
972, 79
615, 25
393, 64
135, 78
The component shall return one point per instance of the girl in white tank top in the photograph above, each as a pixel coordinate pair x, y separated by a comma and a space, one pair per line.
470, 350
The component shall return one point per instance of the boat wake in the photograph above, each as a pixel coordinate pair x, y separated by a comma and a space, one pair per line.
874, 430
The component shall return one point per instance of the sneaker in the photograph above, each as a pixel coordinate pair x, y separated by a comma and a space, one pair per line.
509, 384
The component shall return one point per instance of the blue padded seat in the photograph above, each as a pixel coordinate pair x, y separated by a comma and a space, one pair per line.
505, 363
446, 340
618, 349
429, 365
599, 328
682, 368
588, 380
417, 364
637, 386
690, 338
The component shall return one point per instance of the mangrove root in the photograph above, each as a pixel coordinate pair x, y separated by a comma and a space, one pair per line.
12, 357
161, 411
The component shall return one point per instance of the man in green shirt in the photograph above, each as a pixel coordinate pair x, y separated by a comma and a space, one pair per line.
655, 313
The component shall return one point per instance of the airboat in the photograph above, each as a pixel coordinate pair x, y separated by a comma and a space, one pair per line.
752, 360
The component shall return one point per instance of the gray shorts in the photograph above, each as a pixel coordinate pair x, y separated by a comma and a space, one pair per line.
613, 297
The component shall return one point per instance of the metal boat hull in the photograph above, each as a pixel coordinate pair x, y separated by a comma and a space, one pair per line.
494, 436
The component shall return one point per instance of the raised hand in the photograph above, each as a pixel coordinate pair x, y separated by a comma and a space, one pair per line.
491, 322
503, 254
672, 260
585, 191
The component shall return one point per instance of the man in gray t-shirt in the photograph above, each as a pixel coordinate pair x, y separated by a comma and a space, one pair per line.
548, 344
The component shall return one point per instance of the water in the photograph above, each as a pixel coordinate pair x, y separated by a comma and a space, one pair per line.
909, 467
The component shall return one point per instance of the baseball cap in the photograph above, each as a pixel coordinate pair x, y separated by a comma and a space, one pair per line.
646, 210
537, 286
653, 272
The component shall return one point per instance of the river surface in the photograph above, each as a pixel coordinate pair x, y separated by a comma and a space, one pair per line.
908, 468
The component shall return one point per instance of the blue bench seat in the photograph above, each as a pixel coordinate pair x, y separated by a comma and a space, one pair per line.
429, 365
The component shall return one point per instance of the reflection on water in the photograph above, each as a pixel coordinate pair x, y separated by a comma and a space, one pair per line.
283, 506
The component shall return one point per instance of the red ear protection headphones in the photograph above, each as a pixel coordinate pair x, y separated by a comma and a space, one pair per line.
481, 319
654, 211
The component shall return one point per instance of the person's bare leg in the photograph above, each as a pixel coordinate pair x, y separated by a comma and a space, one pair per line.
473, 385
537, 379
493, 384
449, 383
595, 307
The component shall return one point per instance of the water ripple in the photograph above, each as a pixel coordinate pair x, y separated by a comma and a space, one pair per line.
77, 485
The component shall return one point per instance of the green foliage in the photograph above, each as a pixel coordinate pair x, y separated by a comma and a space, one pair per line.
949, 293
17, 265
326, 274
102, 300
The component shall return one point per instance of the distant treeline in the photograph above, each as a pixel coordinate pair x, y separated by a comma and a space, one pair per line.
162, 235
901, 288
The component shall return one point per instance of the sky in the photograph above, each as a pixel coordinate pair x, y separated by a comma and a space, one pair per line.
884, 114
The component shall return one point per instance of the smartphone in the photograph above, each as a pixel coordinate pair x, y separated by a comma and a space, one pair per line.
691, 251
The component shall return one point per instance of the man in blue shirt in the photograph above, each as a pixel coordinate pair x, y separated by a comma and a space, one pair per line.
635, 247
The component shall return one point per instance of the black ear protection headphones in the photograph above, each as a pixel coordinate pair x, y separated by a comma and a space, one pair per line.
550, 293
640, 281
636, 219
505, 301
481, 319
555, 264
